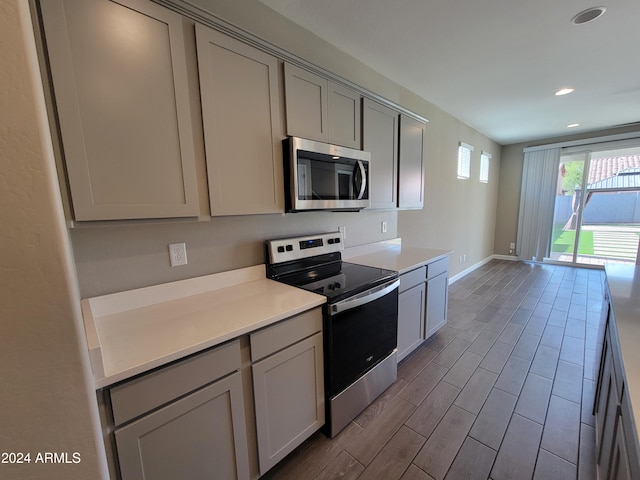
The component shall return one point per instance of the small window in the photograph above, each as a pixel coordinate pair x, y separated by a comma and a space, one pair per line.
464, 160
484, 167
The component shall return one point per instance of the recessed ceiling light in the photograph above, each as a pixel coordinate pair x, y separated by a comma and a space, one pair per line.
573, 125
564, 91
588, 15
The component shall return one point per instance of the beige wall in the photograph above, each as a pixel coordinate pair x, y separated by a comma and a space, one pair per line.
458, 215
511, 178
45, 403
111, 259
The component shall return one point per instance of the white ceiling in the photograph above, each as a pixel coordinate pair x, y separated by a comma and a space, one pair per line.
494, 64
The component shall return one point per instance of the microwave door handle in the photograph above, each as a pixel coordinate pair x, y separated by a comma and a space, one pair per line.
363, 177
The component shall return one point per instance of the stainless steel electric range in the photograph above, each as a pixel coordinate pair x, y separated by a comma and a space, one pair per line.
360, 319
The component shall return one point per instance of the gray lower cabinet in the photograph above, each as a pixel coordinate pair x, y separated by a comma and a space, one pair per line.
243, 129
122, 96
437, 295
380, 138
616, 441
422, 304
184, 421
620, 465
288, 384
201, 436
411, 311
411, 163
607, 410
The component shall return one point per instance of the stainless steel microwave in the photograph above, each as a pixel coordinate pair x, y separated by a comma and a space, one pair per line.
321, 176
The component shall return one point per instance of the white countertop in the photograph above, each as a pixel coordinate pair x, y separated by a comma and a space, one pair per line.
131, 332
392, 255
624, 290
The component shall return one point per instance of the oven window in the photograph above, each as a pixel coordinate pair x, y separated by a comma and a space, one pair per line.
358, 339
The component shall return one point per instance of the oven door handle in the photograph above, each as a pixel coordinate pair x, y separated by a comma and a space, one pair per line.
363, 298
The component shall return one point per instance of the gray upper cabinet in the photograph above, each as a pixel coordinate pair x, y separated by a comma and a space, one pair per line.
380, 138
243, 129
306, 103
411, 163
321, 110
120, 83
344, 116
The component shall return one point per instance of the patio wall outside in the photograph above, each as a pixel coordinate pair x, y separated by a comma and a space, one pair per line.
602, 209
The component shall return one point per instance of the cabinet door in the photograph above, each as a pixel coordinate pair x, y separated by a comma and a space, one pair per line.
243, 130
306, 104
411, 163
620, 466
607, 410
201, 436
289, 399
120, 82
437, 300
344, 116
410, 320
380, 138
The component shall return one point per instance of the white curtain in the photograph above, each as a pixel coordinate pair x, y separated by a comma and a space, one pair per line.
537, 200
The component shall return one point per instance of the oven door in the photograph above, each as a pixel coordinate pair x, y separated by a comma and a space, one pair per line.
360, 331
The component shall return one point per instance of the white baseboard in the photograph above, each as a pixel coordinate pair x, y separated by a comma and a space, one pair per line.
512, 258
462, 274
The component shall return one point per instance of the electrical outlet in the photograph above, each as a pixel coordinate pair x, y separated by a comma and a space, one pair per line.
512, 246
177, 254
384, 227
464, 258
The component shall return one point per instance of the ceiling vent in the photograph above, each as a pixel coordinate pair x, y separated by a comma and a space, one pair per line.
588, 15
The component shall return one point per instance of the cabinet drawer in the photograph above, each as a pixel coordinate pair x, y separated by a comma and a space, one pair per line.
272, 339
411, 279
145, 393
436, 268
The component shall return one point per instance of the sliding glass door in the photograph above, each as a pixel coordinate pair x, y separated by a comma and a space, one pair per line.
597, 209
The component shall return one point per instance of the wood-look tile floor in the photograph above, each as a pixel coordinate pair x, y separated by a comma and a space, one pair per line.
504, 391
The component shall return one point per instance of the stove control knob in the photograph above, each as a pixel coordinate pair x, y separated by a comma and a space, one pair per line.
280, 249
330, 241
337, 285
331, 286
289, 248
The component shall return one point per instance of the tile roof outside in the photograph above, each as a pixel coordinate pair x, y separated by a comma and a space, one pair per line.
603, 168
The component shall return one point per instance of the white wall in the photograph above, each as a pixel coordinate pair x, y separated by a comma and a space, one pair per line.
44, 399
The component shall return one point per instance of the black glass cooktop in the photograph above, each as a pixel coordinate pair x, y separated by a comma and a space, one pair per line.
337, 280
